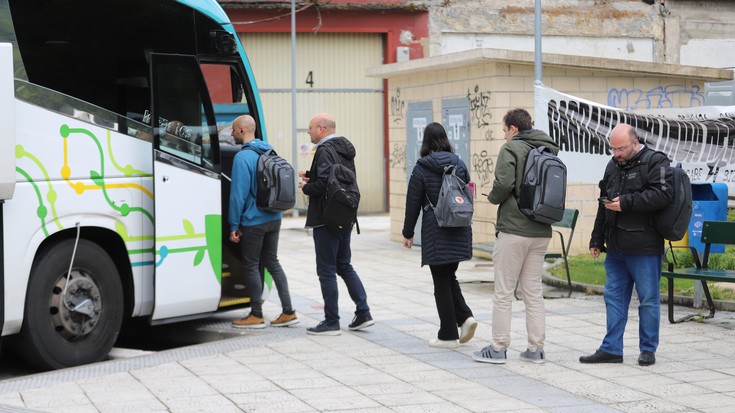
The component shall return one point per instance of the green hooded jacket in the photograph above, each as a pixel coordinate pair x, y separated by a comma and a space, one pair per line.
507, 185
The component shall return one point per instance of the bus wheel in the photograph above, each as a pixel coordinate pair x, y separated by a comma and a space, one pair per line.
71, 319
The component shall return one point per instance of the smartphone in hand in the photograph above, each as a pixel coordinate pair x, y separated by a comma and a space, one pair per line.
604, 200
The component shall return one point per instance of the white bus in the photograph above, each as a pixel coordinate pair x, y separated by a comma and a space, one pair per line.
113, 189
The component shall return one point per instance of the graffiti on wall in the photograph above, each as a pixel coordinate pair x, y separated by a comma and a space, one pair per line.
483, 166
398, 156
657, 98
397, 106
480, 107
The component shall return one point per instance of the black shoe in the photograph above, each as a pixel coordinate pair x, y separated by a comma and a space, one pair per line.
324, 329
601, 357
361, 321
647, 358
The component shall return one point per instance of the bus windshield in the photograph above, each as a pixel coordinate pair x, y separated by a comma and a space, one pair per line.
99, 52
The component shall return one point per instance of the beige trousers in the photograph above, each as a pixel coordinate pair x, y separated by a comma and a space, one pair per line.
516, 257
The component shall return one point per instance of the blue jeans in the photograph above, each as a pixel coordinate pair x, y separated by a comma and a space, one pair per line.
259, 248
623, 272
333, 257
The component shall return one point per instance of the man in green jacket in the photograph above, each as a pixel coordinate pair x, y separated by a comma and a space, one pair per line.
520, 244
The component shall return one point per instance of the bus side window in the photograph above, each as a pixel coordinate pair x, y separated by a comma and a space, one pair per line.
182, 125
228, 96
182, 139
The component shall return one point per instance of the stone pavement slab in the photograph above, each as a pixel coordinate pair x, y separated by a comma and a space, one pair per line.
389, 367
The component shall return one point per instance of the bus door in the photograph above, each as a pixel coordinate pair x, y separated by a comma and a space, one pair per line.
188, 220
232, 96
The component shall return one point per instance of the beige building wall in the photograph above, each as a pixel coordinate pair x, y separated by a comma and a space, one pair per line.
494, 81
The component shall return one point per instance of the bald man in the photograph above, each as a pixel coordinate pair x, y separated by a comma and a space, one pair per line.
255, 230
332, 247
624, 229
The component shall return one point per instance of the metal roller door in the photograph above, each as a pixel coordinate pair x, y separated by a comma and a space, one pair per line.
330, 77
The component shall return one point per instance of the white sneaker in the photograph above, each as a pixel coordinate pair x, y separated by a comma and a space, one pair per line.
435, 342
468, 330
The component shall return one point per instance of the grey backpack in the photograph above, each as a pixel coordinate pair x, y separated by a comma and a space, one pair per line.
276, 182
544, 186
454, 206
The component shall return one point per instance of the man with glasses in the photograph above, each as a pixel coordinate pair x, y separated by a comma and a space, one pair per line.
624, 229
333, 253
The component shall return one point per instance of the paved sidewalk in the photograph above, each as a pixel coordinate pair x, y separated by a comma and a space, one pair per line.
389, 367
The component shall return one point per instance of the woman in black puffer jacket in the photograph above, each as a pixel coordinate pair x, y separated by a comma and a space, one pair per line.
442, 248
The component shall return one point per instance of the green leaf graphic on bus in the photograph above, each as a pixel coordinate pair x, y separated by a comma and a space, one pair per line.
212, 234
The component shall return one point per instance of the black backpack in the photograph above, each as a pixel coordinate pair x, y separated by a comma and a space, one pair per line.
672, 222
544, 186
342, 196
276, 191
454, 205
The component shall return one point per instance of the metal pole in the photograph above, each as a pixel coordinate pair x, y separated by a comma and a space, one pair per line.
537, 38
294, 138
539, 111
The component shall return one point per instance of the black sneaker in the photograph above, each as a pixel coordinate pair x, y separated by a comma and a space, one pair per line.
361, 321
324, 329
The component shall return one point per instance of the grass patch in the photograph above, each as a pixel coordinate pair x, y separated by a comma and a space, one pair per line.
585, 269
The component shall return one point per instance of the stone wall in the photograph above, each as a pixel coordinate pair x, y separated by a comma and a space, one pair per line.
695, 33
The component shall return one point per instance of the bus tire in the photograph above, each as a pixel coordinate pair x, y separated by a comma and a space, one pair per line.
56, 335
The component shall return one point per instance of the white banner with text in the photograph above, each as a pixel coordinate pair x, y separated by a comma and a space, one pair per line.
701, 139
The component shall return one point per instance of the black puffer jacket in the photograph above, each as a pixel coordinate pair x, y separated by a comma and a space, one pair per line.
439, 245
319, 173
631, 231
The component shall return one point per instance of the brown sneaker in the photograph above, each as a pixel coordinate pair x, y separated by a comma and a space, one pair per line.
284, 320
250, 321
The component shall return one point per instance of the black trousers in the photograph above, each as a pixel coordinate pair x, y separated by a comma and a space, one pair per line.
450, 304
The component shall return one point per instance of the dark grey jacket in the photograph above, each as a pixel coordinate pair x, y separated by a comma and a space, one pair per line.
438, 245
631, 231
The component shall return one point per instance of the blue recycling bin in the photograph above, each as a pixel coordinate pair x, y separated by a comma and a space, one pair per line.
709, 203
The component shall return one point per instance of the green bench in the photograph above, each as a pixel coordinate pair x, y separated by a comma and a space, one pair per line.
713, 232
569, 222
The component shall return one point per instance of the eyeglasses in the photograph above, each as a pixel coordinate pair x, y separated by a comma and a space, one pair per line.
620, 149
